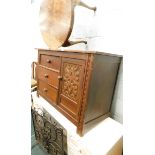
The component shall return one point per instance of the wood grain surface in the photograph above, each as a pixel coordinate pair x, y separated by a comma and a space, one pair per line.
56, 22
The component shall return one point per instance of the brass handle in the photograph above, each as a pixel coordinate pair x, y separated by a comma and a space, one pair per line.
46, 75
60, 77
48, 61
45, 90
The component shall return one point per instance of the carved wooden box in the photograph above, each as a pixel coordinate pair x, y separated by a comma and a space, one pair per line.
78, 84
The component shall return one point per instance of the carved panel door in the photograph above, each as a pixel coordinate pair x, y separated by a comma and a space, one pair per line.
72, 72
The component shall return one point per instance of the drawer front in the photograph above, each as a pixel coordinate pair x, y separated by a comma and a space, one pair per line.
52, 62
49, 76
47, 91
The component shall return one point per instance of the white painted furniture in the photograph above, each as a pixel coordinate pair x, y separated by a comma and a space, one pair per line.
106, 138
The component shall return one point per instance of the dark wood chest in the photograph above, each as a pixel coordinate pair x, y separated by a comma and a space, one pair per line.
78, 84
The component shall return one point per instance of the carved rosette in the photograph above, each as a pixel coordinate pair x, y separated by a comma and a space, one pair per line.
71, 80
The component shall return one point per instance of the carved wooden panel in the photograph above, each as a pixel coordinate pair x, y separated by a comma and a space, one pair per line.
71, 80
71, 87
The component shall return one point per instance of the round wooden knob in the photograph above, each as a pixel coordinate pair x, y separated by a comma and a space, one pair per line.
45, 90
46, 75
60, 77
48, 61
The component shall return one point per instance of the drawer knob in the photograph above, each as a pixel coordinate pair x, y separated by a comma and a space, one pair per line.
60, 77
48, 61
45, 90
46, 75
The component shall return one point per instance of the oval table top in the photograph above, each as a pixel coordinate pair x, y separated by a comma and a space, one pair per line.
56, 21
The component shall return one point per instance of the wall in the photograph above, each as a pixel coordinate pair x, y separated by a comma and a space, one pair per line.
103, 31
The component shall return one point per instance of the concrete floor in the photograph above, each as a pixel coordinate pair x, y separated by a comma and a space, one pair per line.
35, 148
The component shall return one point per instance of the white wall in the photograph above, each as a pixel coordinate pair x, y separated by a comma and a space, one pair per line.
117, 105
103, 32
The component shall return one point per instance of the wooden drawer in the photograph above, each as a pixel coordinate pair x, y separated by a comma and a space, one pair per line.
47, 91
49, 76
50, 61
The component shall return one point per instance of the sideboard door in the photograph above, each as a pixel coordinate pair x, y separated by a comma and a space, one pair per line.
71, 87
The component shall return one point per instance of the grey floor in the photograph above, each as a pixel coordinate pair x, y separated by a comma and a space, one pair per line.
35, 148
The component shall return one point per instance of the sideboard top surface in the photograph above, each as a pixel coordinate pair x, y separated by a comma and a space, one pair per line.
80, 51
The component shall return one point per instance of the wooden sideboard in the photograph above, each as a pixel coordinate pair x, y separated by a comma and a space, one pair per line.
79, 84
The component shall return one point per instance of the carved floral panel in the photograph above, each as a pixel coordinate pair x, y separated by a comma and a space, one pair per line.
71, 80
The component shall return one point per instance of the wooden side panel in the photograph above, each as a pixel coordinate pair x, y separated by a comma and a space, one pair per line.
102, 86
